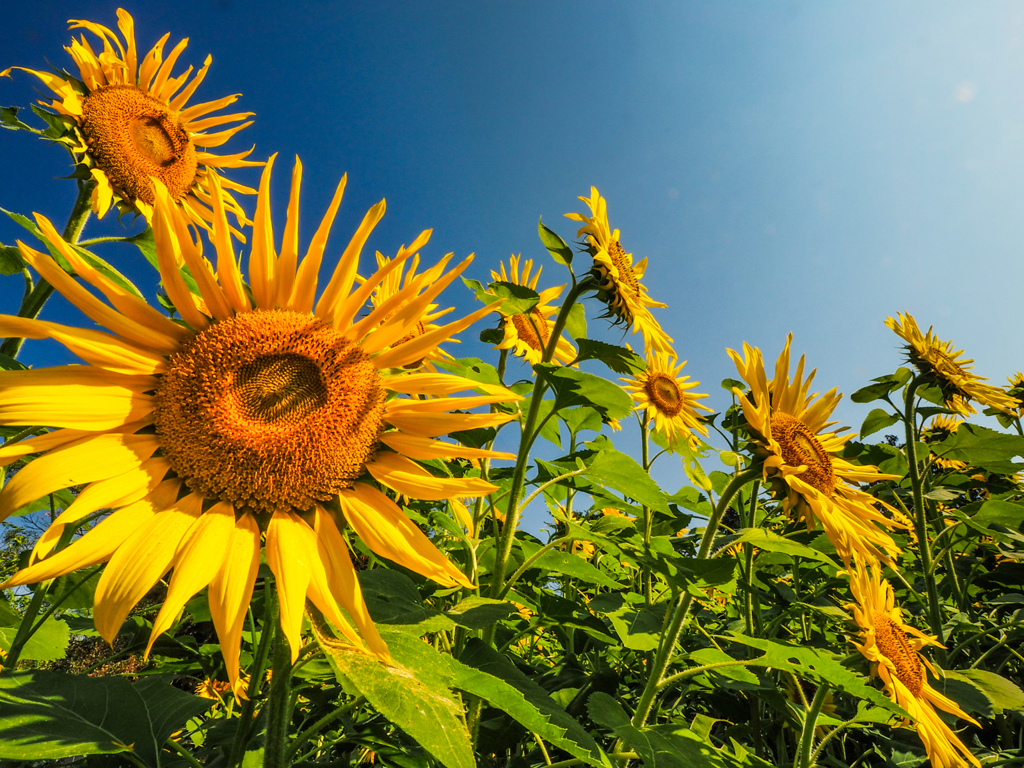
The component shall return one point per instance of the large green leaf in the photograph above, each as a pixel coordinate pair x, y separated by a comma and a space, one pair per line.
568, 564
621, 473
876, 420
10, 260
619, 359
1003, 513
1003, 694
575, 387
772, 542
46, 715
48, 643
883, 386
982, 447
557, 247
518, 299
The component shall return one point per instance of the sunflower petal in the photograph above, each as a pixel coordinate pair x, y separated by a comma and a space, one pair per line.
289, 559
409, 479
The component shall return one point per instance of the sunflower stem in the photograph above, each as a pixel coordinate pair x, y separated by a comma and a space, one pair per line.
647, 512
920, 516
35, 299
804, 757
275, 752
671, 635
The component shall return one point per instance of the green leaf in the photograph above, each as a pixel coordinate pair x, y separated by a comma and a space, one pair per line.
413, 697
10, 260
392, 598
607, 712
518, 299
1002, 693
621, 473
576, 322
876, 420
619, 359
9, 119
574, 387
48, 643
47, 715
578, 419
739, 673
1003, 513
556, 246
62, 499
472, 368
884, 385
773, 542
568, 564
982, 447
638, 626
477, 612
816, 665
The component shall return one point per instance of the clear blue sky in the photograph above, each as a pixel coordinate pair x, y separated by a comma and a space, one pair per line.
806, 167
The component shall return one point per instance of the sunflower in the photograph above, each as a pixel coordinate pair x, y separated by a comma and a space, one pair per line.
275, 417
1016, 391
665, 399
894, 650
527, 334
390, 287
941, 364
130, 123
939, 428
618, 278
801, 460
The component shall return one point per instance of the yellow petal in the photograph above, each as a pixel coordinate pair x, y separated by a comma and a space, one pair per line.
40, 443
410, 479
263, 258
289, 559
227, 267
386, 530
140, 562
304, 290
196, 562
424, 449
443, 384
421, 346
86, 461
344, 276
231, 590
436, 424
288, 259
182, 98
169, 254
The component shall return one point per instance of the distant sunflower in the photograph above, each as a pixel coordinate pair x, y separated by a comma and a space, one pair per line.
272, 414
665, 399
384, 296
1016, 391
939, 428
131, 124
802, 462
894, 650
527, 334
941, 362
619, 277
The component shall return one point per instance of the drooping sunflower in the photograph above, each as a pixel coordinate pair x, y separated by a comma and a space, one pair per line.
801, 459
665, 399
1016, 391
944, 367
131, 122
528, 334
618, 277
894, 650
277, 416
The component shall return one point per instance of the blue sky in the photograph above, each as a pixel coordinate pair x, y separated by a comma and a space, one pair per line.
804, 167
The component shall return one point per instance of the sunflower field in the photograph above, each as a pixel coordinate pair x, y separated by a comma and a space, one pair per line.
270, 517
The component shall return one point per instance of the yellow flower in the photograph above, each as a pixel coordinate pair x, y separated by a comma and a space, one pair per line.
276, 415
801, 460
894, 650
941, 362
939, 428
527, 334
131, 124
390, 287
618, 278
665, 399
1016, 391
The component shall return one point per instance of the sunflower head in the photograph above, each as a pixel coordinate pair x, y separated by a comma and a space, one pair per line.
663, 396
1016, 391
944, 366
618, 277
801, 457
129, 122
528, 334
268, 419
894, 650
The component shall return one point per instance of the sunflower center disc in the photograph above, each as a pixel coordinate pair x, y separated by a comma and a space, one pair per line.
799, 446
893, 644
132, 136
270, 411
626, 275
527, 331
664, 393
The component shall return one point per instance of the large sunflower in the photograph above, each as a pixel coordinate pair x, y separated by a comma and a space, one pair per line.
270, 416
944, 367
802, 462
894, 650
618, 277
130, 122
528, 334
665, 399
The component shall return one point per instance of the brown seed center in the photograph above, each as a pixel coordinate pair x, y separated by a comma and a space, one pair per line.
528, 326
279, 388
664, 393
799, 447
627, 277
131, 137
893, 644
